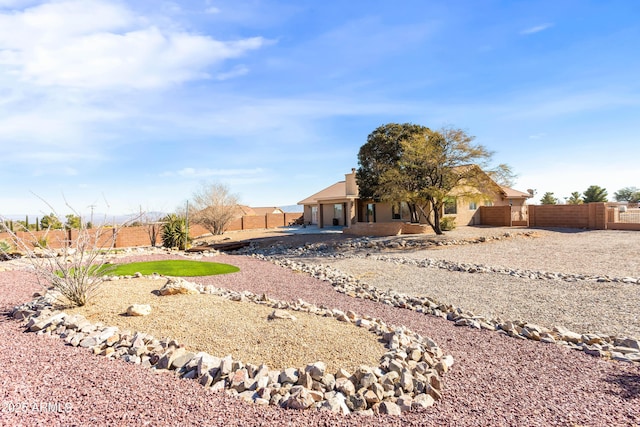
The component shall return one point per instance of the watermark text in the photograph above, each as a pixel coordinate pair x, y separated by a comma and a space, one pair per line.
36, 407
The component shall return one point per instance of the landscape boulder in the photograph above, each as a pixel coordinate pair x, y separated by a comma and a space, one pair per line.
139, 310
176, 285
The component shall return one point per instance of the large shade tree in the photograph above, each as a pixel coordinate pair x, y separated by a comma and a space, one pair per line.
413, 164
50, 221
595, 194
627, 194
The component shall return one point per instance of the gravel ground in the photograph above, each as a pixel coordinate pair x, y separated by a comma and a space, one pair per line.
495, 380
220, 327
594, 252
583, 307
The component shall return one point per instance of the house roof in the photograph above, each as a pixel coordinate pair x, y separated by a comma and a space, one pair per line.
335, 191
267, 210
338, 191
245, 210
510, 193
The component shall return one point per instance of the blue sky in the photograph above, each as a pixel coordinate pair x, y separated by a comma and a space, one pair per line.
130, 105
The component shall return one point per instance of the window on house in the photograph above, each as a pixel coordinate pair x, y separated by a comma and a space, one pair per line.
400, 211
473, 206
488, 203
405, 213
396, 211
371, 212
337, 211
450, 206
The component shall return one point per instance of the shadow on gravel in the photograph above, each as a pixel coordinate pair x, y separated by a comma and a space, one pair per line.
629, 385
562, 229
5, 315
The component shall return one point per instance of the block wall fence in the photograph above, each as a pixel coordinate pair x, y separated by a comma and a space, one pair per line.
126, 237
591, 216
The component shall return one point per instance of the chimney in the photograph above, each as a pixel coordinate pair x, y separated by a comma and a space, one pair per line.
350, 183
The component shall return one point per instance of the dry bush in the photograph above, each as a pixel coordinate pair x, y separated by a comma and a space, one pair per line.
76, 270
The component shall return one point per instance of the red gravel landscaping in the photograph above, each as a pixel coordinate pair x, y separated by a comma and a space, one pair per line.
495, 380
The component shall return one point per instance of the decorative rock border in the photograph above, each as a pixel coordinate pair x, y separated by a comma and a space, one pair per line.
623, 349
377, 243
409, 375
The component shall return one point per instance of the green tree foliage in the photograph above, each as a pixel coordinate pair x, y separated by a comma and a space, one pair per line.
174, 232
548, 199
627, 194
73, 222
595, 194
575, 199
4, 247
413, 164
214, 207
50, 222
382, 152
22, 225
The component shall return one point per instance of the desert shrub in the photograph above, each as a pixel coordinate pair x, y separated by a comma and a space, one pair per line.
41, 242
76, 270
174, 232
448, 223
5, 246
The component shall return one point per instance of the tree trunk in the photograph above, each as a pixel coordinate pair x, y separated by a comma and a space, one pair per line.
435, 224
436, 221
415, 217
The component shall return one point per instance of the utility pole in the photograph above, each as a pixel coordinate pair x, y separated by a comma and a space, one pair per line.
186, 226
91, 218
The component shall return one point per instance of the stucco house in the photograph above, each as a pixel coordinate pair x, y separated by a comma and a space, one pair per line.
335, 205
339, 204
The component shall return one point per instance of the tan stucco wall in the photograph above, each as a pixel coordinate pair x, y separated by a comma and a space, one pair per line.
307, 214
327, 215
351, 185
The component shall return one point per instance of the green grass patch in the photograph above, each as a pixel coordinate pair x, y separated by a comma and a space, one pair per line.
184, 268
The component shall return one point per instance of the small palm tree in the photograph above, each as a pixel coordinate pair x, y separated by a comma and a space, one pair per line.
548, 199
595, 194
575, 199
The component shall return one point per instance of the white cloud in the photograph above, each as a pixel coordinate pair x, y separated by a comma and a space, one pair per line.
102, 45
239, 70
536, 29
212, 10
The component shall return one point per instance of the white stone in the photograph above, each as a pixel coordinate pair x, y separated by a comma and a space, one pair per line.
139, 310
389, 408
345, 386
289, 375
281, 314
176, 285
316, 370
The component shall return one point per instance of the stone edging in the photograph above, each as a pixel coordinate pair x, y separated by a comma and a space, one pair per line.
624, 349
409, 375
